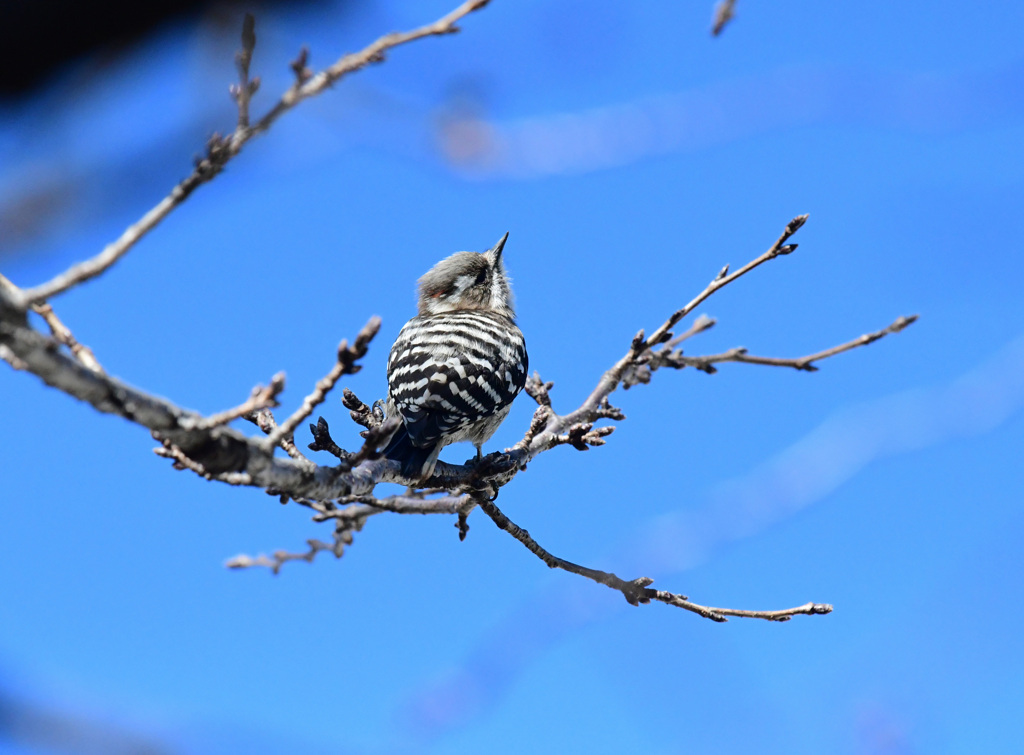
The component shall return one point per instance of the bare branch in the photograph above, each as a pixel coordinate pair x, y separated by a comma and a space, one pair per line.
209, 448
720, 614
724, 13
350, 519
264, 420
636, 591
806, 364
278, 559
221, 450
220, 150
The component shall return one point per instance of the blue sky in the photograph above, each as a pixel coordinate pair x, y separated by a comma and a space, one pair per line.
630, 156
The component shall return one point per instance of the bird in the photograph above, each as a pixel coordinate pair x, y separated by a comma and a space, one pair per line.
456, 366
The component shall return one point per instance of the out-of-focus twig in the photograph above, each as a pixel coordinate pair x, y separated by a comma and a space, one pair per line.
246, 87
58, 329
724, 13
221, 149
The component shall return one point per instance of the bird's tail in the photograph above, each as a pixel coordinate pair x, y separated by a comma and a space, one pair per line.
417, 463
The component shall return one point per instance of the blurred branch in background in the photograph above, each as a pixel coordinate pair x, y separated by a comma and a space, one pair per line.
724, 13
221, 149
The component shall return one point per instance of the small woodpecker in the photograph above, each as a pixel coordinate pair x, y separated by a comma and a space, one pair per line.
456, 367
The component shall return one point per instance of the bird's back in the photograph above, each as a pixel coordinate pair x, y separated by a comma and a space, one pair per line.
453, 376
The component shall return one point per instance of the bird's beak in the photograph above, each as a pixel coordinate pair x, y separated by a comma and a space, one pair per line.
495, 251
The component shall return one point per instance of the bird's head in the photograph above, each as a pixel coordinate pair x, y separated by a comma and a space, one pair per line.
467, 280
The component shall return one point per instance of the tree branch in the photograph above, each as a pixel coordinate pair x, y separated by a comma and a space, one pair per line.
638, 590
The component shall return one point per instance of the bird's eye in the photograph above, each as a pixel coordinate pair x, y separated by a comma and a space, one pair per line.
481, 277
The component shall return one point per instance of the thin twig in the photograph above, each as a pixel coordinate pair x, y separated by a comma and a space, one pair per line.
720, 614
636, 591
221, 150
350, 519
58, 329
278, 559
724, 13
61, 332
376, 439
699, 325
639, 350
799, 363
245, 88
397, 504
345, 365
264, 420
666, 357
724, 278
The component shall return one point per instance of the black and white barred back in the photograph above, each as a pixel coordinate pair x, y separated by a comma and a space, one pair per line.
456, 367
453, 377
